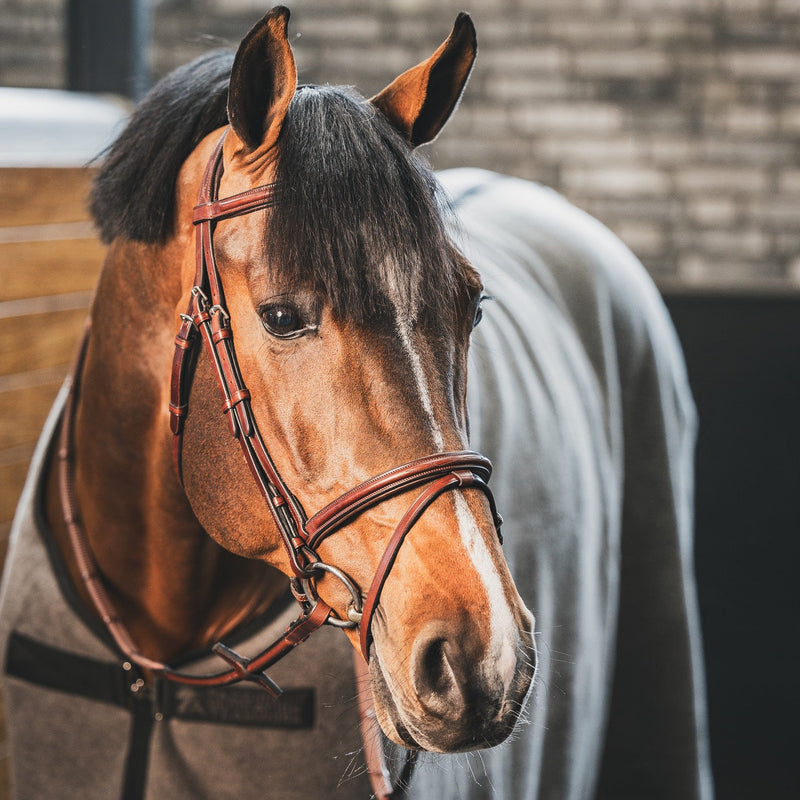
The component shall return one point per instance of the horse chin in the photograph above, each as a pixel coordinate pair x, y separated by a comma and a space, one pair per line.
484, 726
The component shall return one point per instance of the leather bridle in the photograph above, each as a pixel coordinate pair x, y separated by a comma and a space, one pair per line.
207, 319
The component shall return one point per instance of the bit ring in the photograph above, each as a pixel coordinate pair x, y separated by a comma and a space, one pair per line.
354, 607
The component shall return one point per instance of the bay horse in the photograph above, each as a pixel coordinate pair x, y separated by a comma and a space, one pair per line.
321, 284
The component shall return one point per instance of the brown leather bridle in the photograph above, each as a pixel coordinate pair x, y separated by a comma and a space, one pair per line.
207, 318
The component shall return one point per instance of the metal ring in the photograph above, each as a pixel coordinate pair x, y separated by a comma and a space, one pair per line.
354, 608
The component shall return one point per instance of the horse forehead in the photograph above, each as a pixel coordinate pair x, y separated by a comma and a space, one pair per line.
240, 244
240, 240
395, 351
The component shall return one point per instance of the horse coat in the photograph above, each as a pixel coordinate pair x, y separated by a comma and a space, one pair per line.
578, 395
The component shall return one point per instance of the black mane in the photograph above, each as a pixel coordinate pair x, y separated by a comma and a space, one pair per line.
134, 192
360, 218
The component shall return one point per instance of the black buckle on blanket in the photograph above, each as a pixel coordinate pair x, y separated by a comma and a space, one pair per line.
240, 663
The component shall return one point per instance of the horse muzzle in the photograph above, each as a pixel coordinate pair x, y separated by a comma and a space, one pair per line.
447, 693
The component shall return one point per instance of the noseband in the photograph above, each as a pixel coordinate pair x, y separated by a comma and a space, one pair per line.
207, 319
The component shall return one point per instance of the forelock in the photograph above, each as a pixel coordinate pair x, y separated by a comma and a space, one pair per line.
361, 218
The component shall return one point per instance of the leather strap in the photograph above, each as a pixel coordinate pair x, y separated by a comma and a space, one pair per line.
374, 756
441, 472
207, 314
233, 206
460, 479
242, 668
392, 482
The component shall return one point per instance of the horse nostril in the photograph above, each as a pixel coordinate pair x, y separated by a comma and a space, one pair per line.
435, 680
436, 667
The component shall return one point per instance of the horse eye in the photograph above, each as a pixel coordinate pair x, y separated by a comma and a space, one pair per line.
282, 320
478, 310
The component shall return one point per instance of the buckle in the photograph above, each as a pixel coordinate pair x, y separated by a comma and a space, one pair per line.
240, 663
203, 302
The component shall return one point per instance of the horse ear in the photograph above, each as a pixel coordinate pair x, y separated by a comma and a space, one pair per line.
421, 100
263, 82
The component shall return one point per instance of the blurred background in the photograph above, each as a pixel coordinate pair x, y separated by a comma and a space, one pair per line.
675, 122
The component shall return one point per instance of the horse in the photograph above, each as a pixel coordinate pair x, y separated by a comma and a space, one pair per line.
283, 250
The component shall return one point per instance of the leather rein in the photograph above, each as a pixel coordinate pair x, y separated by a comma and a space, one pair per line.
207, 320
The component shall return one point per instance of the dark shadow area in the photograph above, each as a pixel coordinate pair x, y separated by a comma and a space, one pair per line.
743, 357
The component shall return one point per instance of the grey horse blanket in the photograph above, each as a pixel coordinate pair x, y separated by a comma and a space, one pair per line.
80, 726
578, 395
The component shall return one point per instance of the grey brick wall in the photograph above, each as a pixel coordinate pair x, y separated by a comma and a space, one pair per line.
676, 122
32, 51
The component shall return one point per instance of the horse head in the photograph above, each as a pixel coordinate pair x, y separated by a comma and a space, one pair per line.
351, 311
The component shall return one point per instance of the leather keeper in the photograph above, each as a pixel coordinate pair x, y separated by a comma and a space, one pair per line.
177, 414
201, 317
221, 333
315, 620
236, 397
178, 411
246, 422
182, 342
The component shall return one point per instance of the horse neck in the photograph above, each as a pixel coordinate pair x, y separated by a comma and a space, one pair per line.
173, 586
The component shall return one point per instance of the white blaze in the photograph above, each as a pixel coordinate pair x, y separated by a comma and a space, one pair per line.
502, 645
421, 380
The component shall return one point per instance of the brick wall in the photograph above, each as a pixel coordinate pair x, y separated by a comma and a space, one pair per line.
676, 122
32, 50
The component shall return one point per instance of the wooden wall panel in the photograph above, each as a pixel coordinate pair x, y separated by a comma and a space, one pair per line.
12, 479
23, 409
43, 195
39, 340
49, 267
49, 263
